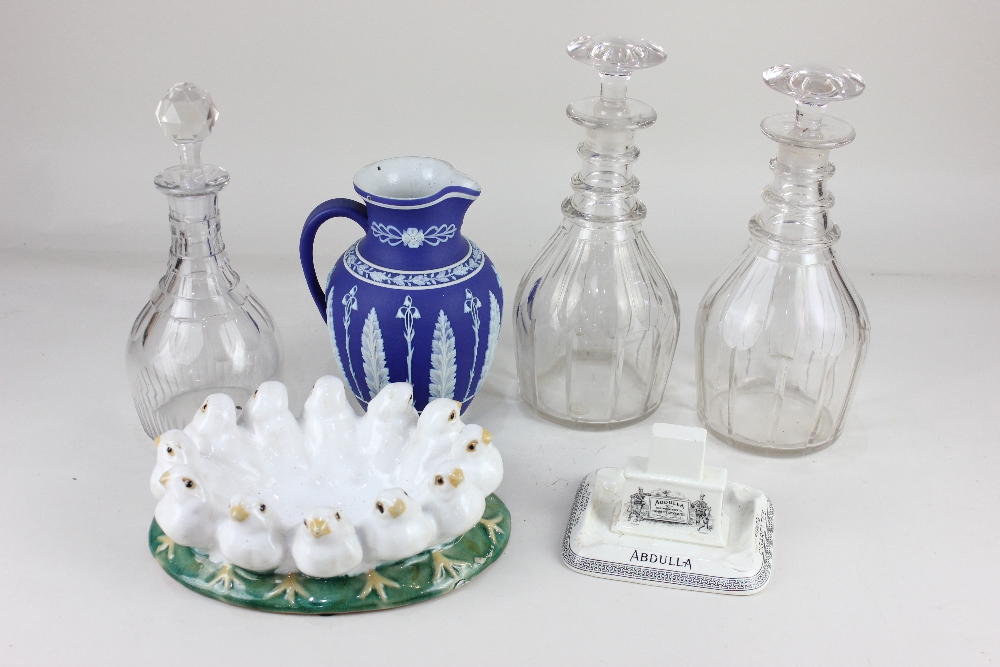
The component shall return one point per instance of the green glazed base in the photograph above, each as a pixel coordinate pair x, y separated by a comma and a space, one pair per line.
427, 575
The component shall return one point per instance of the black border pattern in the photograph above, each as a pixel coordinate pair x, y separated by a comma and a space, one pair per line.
763, 537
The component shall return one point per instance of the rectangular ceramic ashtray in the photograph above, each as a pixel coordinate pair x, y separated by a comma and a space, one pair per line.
741, 567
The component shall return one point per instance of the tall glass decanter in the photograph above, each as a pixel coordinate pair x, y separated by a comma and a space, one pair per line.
596, 318
203, 331
781, 335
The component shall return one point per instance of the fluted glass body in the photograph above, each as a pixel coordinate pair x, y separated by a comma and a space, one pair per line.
781, 336
203, 331
596, 325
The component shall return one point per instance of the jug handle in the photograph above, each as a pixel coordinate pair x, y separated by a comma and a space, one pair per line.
334, 208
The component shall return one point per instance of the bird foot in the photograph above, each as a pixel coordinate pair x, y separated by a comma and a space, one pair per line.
376, 582
227, 577
289, 586
442, 563
166, 544
493, 527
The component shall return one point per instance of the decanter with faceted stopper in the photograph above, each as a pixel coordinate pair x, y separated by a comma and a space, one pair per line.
203, 331
596, 318
781, 335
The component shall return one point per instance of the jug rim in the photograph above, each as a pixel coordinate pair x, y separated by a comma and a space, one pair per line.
412, 182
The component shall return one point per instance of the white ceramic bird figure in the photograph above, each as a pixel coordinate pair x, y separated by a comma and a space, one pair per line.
326, 545
387, 426
479, 458
453, 503
252, 537
397, 529
185, 513
438, 427
213, 429
172, 448
275, 430
329, 421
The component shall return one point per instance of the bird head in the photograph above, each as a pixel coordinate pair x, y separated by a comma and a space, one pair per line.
182, 482
471, 441
448, 478
270, 400
394, 399
391, 504
322, 521
327, 396
242, 508
441, 417
172, 448
217, 413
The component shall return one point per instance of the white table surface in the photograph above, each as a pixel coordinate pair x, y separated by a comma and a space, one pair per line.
885, 543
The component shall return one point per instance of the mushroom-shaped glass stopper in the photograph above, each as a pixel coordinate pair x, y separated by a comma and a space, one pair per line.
615, 58
812, 87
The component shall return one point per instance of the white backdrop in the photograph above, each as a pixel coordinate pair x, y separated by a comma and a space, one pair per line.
885, 547
311, 91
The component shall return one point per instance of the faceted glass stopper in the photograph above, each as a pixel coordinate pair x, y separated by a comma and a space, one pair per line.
812, 87
615, 55
186, 113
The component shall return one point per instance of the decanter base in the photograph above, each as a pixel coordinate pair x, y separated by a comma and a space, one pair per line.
591, 425
757, 425
436, 571
775, 450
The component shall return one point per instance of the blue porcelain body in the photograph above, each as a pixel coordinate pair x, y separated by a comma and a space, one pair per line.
413, 300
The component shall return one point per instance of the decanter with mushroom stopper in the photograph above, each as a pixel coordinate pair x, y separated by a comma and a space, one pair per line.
781, 335
203, 331
596, 318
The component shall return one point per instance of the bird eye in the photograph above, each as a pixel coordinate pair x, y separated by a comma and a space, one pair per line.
305, 523
380, 507
336, 516
452, 416
189, 483
263, 507
472, 446
204, 407
170, 450
439, 480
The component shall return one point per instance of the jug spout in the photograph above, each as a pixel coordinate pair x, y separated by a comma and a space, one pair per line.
416, 206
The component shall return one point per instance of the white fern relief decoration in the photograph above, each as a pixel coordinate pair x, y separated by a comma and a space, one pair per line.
373, 355
443, 368
472, 305
350, 302
491, 341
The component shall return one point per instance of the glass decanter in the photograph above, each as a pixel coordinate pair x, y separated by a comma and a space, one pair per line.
203, 331
596, 318
781, 335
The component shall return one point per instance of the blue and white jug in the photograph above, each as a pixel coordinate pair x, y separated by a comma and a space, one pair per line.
414, 300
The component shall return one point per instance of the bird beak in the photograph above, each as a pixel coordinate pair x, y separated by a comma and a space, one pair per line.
397, 508
164, 477
487, 437
456, 477
156, 443
319, 527
238, 513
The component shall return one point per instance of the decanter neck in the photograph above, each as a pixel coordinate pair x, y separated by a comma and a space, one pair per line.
797, 202
605, 188
195, 229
